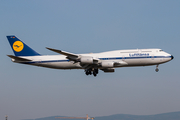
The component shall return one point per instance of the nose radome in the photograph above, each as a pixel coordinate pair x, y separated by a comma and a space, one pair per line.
172, 57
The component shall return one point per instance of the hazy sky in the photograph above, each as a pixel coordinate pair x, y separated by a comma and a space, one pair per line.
85, 26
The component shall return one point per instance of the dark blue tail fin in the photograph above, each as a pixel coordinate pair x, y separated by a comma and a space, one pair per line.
20, 48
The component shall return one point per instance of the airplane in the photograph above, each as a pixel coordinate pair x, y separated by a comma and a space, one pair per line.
92, 62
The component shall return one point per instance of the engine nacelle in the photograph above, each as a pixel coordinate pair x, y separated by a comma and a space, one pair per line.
86, 60
107, 64
108, 70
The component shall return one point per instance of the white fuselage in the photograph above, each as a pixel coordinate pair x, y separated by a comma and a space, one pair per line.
128, 58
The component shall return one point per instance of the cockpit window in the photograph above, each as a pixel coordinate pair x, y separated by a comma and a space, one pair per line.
160, 50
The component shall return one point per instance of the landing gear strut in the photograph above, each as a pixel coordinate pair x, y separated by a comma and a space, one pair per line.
157, 69
91, 71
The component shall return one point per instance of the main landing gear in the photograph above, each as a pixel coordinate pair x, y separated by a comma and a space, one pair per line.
157, 69
91, 71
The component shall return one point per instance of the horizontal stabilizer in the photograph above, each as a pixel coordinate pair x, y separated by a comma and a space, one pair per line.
71, 55
18, 58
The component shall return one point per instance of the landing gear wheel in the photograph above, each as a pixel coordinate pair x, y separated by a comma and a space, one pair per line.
94, 74
96, 70
91, 71
157, 69
87, 73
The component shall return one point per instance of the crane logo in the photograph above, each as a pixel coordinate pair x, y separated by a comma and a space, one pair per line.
18, 46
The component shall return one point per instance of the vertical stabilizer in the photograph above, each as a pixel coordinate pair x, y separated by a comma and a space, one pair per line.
20, 48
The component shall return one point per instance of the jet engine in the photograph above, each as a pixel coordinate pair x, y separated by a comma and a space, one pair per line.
107, 64
86, 60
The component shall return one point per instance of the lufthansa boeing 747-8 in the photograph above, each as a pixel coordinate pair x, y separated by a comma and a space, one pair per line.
91, 63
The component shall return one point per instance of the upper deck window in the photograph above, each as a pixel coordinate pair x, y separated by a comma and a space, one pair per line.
146, 51
160, 50
130, 52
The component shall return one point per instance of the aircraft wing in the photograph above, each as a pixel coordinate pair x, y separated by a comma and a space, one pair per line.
69, 55
18, 58
77, 58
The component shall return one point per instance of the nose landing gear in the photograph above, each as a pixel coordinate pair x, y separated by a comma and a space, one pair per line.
157, 69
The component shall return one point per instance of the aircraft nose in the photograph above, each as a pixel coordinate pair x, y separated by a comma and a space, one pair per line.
172, 57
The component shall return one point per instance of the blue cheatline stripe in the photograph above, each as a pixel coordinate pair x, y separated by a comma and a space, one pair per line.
134, 57
115, 58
